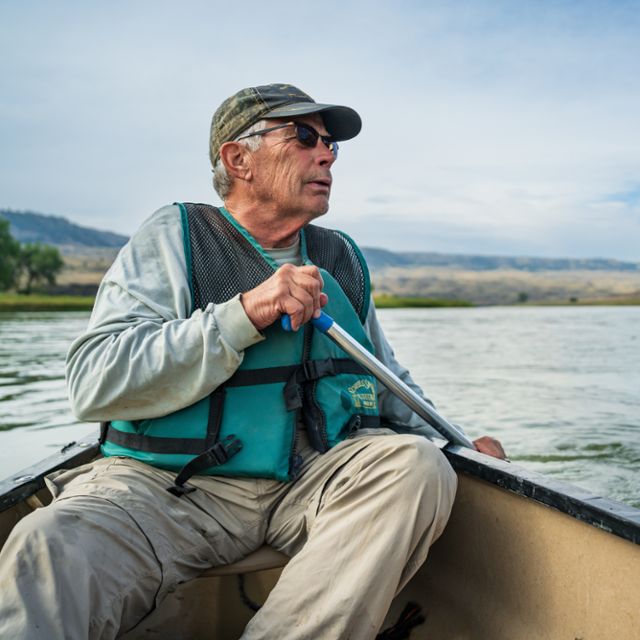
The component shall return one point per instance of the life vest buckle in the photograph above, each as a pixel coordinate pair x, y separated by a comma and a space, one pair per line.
226, 448
218, 454
316, 369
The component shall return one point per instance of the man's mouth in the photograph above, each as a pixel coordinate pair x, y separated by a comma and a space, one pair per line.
322, 182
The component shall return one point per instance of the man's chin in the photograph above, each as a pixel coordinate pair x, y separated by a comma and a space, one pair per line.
322, 206
311, 210
320, 211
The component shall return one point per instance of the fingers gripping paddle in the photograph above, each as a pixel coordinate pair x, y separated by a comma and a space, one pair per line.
383, 374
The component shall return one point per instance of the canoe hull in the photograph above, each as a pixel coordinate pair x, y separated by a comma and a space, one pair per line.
521, 557
509, 567
506, 567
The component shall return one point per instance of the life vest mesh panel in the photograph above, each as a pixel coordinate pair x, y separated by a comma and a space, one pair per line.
333, 251
223, 261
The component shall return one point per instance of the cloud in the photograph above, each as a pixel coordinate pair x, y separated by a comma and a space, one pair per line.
488, 126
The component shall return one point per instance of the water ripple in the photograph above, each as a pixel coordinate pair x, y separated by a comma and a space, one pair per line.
560, 387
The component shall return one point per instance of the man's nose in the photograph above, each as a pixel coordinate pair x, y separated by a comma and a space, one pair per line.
324, 154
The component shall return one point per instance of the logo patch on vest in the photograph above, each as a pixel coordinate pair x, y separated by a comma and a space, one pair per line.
363, 394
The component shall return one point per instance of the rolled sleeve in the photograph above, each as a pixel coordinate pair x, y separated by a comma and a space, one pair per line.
234, 324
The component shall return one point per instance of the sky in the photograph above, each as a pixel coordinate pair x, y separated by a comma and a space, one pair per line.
500, 128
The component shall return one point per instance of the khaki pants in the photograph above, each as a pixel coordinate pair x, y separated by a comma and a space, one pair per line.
357, 524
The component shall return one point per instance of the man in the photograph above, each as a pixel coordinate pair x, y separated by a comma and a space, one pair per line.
221, 431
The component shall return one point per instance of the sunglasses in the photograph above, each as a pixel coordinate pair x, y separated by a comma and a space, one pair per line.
306, 135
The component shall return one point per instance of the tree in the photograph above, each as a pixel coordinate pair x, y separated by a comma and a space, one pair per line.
9, 253
39, 263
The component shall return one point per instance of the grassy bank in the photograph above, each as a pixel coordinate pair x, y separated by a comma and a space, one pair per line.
43, 302
385, 301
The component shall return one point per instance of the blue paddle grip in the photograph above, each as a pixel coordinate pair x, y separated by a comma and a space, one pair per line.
322, 323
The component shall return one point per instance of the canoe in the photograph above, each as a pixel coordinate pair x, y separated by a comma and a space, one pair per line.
523, 557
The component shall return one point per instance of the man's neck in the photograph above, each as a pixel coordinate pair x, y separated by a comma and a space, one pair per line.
270, 230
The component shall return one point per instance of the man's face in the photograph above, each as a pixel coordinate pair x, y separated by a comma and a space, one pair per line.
294, 178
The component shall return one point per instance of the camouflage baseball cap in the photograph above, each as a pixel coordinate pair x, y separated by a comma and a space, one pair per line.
246, 107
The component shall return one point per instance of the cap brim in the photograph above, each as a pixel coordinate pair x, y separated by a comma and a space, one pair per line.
342, 123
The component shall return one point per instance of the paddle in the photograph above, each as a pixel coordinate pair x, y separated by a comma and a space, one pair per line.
390, 380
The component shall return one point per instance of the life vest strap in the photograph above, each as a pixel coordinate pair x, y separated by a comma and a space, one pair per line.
218, 454
104, 428
266, 375
308, 370
311, 370
153, 444
363, 421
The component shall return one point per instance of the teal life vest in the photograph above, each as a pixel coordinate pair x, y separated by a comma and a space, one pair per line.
247, 426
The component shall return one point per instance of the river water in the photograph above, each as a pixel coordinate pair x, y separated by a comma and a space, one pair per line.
559, 386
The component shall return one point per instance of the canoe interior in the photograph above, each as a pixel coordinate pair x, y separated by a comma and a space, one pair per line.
505, 568
508, 566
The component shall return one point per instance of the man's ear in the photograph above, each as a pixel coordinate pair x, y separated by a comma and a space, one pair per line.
235, 158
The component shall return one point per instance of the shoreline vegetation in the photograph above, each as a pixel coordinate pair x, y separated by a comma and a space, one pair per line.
388, 301
44, 302
47, 302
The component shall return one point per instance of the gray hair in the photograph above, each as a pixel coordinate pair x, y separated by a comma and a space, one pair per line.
222, 181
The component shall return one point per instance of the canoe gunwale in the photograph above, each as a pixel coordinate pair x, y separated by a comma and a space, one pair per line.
607, 514
25, 483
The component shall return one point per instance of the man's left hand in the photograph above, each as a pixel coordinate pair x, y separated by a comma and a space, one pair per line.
490, 446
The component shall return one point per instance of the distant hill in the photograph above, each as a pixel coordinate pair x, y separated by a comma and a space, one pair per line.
27, 226
382, 258
88, 253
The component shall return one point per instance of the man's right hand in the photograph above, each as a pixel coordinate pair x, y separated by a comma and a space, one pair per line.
296, 291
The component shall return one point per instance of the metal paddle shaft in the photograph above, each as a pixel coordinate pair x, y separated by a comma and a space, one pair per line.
390, 380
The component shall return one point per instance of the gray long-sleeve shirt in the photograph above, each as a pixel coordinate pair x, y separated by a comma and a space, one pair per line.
145, 354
